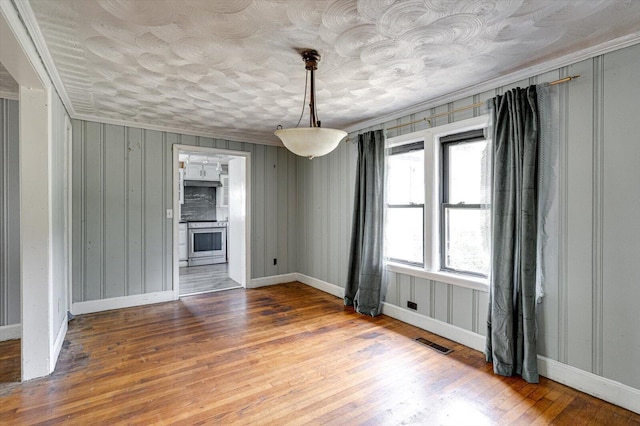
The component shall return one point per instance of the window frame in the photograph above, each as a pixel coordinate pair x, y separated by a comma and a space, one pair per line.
431, 269
444, 200
403, 148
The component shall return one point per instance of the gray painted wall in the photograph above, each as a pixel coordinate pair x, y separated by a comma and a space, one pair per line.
9, 213
588, 320
122, 242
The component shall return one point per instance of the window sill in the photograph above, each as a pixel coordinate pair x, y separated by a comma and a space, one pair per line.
475, 283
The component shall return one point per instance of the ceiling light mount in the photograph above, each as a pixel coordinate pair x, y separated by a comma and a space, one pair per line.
312, 141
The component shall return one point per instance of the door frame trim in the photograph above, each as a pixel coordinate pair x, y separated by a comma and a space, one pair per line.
177, 149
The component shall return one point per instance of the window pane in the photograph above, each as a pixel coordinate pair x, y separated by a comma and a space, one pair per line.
467, 240
468, 173
405, 178
404, 234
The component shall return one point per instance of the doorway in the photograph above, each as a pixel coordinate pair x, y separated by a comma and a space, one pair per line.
210, 217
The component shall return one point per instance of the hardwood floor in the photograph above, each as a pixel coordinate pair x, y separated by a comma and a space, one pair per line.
286, 354
200, 279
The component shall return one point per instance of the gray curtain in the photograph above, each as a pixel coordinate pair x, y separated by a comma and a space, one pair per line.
511, 334
364, 280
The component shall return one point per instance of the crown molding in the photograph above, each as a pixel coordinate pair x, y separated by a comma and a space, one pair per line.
551, 65
24, 40
178, 130
44, 56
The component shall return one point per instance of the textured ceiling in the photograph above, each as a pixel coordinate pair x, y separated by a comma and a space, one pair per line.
230, 68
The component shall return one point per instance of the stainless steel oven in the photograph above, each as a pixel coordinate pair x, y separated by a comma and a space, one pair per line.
207, 243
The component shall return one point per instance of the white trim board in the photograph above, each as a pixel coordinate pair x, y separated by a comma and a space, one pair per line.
321, 285
10, 332
57, 345
272, 280
592, 384
79, 308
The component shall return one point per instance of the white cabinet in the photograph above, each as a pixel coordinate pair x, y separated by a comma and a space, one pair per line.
193, 171
209, 172
200, 171
183, 247
222, 194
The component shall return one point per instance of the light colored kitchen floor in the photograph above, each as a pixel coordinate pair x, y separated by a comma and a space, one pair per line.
201, 279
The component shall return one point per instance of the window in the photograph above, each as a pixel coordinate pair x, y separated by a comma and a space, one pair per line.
405, 204
464, 206
438, 207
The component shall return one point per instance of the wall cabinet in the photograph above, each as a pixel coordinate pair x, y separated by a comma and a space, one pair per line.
199, 171
183, 246
222, 194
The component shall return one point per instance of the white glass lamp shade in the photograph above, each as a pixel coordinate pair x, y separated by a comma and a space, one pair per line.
310, 141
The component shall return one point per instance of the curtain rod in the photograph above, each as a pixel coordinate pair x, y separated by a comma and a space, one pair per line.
464, 108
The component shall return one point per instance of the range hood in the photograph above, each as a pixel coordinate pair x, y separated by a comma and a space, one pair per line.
203, 183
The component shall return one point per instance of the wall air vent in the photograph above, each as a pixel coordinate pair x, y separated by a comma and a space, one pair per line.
436, 347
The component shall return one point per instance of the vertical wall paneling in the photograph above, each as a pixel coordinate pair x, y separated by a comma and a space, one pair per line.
584, 318
9, 213
579, 201
122, 186
258, 231
292, 213
168, 140
422, 296
441, 306
93, 211
598, 211
114, 210
282, 201
620, 204
134, 209
271, 204
462, 307
155, 223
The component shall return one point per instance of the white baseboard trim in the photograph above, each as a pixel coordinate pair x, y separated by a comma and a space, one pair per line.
609, 390
448, 331
57, 345
79, 308
272, 280
592, 384
321, 285
10, 332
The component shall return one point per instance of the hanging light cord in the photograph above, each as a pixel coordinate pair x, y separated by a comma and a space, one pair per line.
304, 99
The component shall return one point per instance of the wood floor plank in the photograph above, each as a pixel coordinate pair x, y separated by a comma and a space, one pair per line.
285, 354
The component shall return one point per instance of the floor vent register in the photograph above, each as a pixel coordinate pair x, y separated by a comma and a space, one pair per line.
436, 347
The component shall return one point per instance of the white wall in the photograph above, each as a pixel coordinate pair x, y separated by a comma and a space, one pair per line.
589, 319
122, 241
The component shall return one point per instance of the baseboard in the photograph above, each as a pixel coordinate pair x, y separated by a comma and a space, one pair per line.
448, 331
272, 280
10, 332
57, 345
592, 384
79, 308
609, 390
321, 285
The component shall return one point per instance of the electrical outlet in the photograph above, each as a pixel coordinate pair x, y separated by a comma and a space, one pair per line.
275, 262
412, 305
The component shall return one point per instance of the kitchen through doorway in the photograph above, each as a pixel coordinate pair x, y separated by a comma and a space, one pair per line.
211, 220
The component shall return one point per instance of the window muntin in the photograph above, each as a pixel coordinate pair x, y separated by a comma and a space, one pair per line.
464, 207
404, 236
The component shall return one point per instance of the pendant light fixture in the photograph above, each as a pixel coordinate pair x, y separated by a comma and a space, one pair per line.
312, 141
